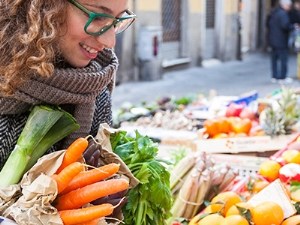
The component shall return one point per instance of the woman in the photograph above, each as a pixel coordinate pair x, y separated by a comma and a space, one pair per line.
60, 53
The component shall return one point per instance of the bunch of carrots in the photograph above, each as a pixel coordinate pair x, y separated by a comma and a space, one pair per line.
77, 187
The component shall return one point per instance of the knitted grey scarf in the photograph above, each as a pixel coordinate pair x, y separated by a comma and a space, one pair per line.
78, 87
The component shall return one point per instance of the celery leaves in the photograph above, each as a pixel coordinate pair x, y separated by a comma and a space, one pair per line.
149, 203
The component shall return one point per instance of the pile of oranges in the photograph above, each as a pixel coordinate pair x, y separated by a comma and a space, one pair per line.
224, 127
228, 208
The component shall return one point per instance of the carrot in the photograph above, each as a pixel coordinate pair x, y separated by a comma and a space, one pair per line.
92, 176
91, 222
79, 216
79, 197
74, 152
67, 174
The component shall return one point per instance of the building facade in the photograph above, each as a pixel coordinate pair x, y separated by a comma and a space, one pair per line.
172, 34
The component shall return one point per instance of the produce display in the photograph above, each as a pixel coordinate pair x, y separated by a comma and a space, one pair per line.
117, 176
190, 121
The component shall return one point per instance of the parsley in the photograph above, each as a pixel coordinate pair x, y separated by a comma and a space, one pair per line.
149, 203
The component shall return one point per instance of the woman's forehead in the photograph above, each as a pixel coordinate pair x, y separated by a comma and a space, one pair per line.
107, 6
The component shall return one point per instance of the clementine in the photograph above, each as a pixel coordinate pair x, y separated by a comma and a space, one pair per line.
211, 219
225, 200
233, 210
259, 185
269, 169
234, 220
293, 220
215, 209
267, 213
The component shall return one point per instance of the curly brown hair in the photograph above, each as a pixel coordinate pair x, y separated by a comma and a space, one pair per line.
29, 30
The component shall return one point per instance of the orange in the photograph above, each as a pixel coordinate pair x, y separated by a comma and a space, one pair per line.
293, 220
259, 185
225, 200
291, 156
233, 210
211, 219
234, 220
267, 213
220, 135
215, 209
269, 169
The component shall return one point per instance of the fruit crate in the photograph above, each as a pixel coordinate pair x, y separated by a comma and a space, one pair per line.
245, 165
255, 145
278, 154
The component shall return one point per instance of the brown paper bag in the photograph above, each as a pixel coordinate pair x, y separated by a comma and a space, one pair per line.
37, 192
108, 156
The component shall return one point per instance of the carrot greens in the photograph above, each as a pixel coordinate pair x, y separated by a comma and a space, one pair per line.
150, 201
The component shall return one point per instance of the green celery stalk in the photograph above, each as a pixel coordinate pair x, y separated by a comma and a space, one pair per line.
41, 119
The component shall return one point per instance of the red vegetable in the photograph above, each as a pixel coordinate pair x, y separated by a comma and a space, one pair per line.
290, 172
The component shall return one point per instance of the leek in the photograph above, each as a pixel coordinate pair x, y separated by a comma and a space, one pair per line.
44, 127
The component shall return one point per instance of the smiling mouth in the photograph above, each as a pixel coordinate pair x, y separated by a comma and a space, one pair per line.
89, 49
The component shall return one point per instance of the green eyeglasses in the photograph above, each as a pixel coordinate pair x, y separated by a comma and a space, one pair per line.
99, 23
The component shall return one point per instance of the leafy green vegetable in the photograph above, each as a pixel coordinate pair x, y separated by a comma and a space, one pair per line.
44, 127
149, 203
183, 101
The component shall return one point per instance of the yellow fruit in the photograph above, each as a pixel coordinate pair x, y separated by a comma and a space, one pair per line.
269, 169
223, 201
259, 185
215, 208
195, 219
293, 220
233, 210
267, 213
295, 195
291, 156
234, 220
211, 219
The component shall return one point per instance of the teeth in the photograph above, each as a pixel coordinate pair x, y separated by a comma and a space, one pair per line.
89, 49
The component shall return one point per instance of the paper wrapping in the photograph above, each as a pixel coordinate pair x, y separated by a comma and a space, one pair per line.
108, 156
35, 193
29, 202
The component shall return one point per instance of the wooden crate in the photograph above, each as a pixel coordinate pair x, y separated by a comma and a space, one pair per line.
263, 146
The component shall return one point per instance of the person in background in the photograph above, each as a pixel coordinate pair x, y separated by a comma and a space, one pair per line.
58, 53
294, 13
279, 27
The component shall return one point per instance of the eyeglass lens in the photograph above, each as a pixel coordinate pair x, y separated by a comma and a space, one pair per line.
102, 24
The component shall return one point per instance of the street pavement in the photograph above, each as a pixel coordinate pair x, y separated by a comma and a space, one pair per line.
228, 78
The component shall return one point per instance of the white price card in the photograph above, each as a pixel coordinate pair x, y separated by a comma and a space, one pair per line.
275, 192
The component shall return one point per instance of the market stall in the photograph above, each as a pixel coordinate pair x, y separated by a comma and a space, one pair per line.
195, 160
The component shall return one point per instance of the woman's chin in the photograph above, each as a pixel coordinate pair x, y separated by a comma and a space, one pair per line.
80, 64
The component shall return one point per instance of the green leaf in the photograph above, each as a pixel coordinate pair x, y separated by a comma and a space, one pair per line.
150, 201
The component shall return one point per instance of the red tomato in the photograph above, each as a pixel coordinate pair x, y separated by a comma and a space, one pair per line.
234, 109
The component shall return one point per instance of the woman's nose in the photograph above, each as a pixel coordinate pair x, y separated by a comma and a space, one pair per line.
108, 39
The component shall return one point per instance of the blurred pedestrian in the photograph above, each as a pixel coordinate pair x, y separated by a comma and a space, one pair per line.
58, 53
294, 13
279, 26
